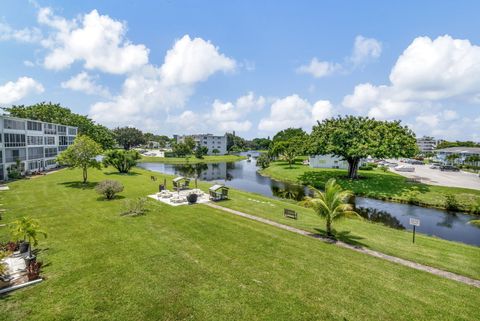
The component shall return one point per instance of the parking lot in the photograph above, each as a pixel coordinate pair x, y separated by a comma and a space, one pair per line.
436, 177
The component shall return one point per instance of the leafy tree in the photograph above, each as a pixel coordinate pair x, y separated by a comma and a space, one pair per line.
129, 137
452, 158
181, 150
27, 229
201, 151
235, 143
215, 151
109, 188
289, 133
288, 150
259, 143
473, 159
354, 138
160, 139
190, 143
122, 160
55, 113
263, 160
82, 154
332, 204
446, 144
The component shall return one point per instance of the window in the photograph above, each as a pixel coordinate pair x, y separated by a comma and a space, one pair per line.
62, 130
34, 140
49, 140
1, 157
33, 166
11, 155
61, 148
70, 140
14, 140
33, 125
50, 129
13, 124
62, 140
35, 152
51, 152
72, 131
50, 162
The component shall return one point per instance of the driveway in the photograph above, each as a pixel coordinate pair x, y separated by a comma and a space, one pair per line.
436, 177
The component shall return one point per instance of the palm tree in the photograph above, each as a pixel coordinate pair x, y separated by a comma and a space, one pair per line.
452, 158
332, 204
27, 228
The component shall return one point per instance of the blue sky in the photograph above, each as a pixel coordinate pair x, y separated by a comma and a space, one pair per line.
251, 66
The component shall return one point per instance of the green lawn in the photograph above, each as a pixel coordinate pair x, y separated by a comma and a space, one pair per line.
380, 185
197, 263
192, 159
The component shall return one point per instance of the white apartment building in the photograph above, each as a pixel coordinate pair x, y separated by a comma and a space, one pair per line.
426, 144
32, 143
463, 153
208, 140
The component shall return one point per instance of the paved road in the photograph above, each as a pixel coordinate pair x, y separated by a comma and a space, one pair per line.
437, 177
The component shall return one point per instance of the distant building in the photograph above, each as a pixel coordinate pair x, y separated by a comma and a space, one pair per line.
328, 161
462, 152
426, 144
33, 144
208, 140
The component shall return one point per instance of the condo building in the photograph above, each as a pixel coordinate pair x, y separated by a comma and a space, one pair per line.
208, 140
31, 146
426, 144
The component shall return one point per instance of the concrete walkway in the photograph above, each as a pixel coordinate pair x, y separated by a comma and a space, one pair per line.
394, 259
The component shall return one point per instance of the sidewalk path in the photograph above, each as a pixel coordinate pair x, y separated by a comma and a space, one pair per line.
413, 265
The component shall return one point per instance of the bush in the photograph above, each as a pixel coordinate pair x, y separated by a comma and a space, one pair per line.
451, 203
122, 160
192, 198
263, 160
33, 270
135, 207
366, 167
109, 188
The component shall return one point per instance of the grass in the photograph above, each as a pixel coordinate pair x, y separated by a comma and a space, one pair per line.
380, 185
192, 159
197, 263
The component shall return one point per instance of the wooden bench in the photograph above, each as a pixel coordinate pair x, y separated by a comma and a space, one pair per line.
290, 214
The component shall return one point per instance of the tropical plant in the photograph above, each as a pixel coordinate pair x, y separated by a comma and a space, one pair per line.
3, 266
27, 229
452, 158
82, 153
263, 160
33, 270
354, 138
109, 188
332, 204
122, 160
135, 207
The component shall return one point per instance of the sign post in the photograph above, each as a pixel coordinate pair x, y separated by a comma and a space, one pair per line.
415, 222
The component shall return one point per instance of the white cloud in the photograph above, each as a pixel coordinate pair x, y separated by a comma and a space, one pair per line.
193, 60
96, 40
158, 90
11, 92
426, 74
364, 51
27, 35
85, 83
294, 111
319, 69
28, 63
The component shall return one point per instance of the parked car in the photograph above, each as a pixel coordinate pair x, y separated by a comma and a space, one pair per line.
449, 168
404, 168
434, 166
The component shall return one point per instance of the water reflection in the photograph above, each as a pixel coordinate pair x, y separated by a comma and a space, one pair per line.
292, 192
379, 216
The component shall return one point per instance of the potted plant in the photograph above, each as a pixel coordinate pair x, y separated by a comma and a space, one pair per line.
27, 230
192, 198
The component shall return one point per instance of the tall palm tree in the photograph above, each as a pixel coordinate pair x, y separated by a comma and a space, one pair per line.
332, 204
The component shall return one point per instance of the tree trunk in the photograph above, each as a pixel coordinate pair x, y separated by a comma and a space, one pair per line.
329, 226
84, 175
353, 167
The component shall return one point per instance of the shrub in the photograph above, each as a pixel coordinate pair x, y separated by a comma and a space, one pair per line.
135, 207
366, 167
109, 188
192, 198
122, 160
384, 168
263, 160
451, 203
33, 270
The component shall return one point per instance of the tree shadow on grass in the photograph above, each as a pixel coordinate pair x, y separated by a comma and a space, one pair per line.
81, 185
122, 174
343, 236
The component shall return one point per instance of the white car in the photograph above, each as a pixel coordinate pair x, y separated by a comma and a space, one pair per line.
404, 168
434, 166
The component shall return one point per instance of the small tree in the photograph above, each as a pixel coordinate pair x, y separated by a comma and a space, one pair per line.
263, 160
109, 188
129, 137
215, 151
81, 154
122, 160
331, 204
288, 150
452, 158
201, 151
27, 229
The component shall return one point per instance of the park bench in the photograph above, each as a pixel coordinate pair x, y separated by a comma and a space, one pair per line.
290, 214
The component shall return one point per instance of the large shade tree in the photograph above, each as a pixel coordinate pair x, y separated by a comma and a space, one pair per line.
129, 137
354, 138
82, 154
55, 113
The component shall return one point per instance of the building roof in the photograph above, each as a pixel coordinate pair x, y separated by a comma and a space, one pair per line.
460, 150
217, 187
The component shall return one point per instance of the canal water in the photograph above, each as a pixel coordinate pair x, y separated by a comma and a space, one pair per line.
243, 175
